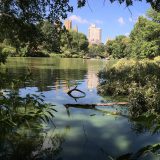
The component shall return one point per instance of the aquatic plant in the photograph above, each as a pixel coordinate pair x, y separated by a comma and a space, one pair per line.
17, 110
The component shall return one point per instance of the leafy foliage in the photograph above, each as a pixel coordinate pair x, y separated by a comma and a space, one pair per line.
23, 17
3, 56
118, 48
155, 4
97, 50
51, 36
74, 43
154, 15
15, 110
143, 41
140, 80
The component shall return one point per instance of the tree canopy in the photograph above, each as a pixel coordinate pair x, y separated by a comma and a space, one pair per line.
154, 15
74, 41
51, 36
97, 50
154, 3
23, 15
118, 48
19, 20
143, 41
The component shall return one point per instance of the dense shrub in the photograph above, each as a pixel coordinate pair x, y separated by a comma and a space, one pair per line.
3, 56
157, 59
139, 80
10, 51
145, 99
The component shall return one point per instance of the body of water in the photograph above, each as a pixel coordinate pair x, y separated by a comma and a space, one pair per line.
77, 133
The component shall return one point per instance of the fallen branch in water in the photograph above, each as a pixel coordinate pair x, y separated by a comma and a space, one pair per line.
88, 106
76, 97
75, 89
93, 107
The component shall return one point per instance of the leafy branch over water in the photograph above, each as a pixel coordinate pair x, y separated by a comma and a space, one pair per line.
16, 110
22, 119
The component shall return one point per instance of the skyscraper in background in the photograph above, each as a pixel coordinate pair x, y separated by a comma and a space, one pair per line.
75, 28
94, 34
68, 24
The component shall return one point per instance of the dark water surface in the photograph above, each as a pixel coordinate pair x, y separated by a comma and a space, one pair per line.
80, 134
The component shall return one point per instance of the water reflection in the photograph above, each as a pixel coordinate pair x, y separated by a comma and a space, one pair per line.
92, 79
99, 133
31, 144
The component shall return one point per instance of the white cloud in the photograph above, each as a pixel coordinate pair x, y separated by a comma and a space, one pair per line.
79, 19
121, 21
126, 34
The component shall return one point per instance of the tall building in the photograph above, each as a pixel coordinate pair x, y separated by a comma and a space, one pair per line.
75, 28
94, 34
68, 24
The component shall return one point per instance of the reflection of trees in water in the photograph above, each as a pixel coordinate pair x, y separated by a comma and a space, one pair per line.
150, 150
29, 145
9, 79
21, 131
148, 122
46, 77
142, 125
54, 72
147, 152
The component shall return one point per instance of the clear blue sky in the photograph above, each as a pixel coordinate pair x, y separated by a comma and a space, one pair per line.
114, 19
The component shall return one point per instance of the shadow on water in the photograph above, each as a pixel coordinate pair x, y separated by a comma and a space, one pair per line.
30, 145
78, 133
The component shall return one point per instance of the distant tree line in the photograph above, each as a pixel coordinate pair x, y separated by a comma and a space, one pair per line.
74, 44
47, 38
143, 41
25, 29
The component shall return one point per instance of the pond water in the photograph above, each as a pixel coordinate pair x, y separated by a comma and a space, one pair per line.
80, 133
